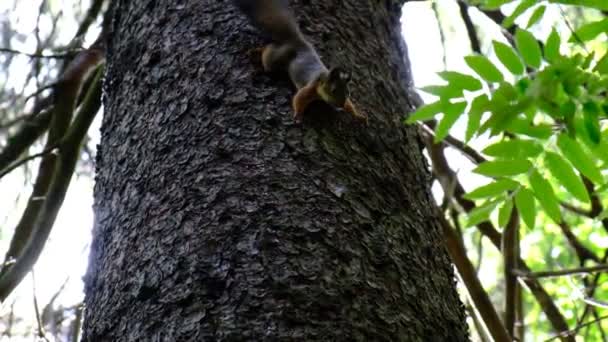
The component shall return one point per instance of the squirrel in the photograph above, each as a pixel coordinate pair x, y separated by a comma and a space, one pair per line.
290, 51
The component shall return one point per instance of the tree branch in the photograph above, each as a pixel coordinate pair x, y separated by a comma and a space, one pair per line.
24, 138
42, 219
468, 23
33, 55
570, 333
559, 273
447, 177
510, 251
468, 275
26, 159
581, 251
466, 150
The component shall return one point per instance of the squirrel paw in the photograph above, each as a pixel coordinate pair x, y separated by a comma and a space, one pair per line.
350, 108
297, 117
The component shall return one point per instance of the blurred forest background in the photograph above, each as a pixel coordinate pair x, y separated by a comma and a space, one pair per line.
517, 88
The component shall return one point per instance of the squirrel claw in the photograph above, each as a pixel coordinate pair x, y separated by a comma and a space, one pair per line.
297, 117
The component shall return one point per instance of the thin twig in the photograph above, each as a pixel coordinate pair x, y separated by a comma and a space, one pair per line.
599, 325
39, 91
559, 273
596, 302
576, 210
41, 333
34, 55
26, 159
441, 34
590, 289
582, 252
12, 122
10, 322
577, 328
569, 25
463, 148
468, 23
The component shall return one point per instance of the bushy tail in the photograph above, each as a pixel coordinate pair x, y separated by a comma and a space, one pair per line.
273, 17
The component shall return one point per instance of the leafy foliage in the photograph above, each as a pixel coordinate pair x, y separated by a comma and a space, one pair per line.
536, 108
548, 117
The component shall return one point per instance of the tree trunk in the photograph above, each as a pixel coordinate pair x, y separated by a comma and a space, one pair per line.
218, 218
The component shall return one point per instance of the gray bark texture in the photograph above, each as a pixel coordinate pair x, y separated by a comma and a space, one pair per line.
220, 219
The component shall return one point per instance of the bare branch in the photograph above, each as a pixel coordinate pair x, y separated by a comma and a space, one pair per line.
26, 159
576, 210
468, 275
24, 138
510, 251
468, 23
582, 252
572, 332
34, 55
460, 146
560, 273
41, 227
41, 333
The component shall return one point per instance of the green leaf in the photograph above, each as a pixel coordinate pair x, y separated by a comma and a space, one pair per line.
567, 111
552, 47
506, 106
591, 113
460, 80
508, 58
525, 127
528, 48
495, 4
598, 151
484, 68
523, 85
602, 189
563, 172
523, 6
587, 62
579, 158
499, 168
536, 16
599, 4
513, 149
478, 107
443, 92
493, 189
506, 92
602, 65
481, 213
545, 196
589, 31
524, 201
504, 213
450, 115
603, 215
427, 112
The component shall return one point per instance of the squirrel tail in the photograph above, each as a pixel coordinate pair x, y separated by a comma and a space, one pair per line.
273, 17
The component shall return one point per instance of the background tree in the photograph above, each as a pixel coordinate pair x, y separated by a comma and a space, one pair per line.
58, 98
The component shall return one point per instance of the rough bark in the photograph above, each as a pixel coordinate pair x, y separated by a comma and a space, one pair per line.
218, 218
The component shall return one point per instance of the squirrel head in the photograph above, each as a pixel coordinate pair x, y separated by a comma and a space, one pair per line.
333, 86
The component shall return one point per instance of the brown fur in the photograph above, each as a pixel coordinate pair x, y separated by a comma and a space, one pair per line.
292, 53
